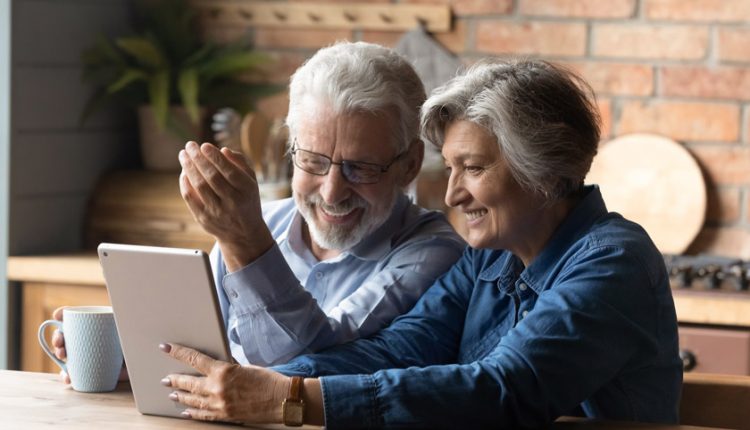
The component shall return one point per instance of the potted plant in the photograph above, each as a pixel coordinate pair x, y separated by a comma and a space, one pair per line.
171, 77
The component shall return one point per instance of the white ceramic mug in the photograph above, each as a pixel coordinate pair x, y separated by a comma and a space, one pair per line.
94, 356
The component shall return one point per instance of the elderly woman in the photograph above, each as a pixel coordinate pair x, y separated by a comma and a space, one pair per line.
557, 308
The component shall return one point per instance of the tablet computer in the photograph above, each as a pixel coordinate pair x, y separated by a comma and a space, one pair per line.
161, 295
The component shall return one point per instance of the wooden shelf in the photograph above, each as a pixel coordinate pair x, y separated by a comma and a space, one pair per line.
383, 17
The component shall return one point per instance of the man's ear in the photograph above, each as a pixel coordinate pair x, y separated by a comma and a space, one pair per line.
413, 162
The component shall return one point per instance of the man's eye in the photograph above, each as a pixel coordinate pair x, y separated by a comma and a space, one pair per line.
362, 168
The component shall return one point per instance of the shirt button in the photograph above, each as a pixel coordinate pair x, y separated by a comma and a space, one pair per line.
522, 286
234, 294
524, 313
318, 275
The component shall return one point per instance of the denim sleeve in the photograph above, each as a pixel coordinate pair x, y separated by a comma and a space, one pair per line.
581, 332
429, 334
278, 319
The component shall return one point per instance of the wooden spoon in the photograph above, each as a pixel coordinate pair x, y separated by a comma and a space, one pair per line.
254, 135
277, 147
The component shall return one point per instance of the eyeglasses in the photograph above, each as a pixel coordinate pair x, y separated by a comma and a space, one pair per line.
356, 172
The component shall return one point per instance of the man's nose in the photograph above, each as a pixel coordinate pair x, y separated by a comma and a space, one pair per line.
335, 187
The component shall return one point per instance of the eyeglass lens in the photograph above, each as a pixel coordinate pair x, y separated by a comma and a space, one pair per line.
353, 171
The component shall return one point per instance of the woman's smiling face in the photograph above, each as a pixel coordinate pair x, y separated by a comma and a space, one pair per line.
499, 213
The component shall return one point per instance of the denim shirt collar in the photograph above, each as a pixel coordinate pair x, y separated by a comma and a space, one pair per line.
586, 212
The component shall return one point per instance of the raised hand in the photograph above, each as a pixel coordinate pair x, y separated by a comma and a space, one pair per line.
221, 191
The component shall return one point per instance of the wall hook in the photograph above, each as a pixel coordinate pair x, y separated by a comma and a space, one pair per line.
246, 14
313, 17
385, 18
215, 12
349, 16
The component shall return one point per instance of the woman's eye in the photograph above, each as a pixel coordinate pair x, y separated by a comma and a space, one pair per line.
473, 169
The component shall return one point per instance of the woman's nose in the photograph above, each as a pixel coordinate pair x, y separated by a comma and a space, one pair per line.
455, 193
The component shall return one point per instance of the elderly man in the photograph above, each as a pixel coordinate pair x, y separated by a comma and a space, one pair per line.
349, 252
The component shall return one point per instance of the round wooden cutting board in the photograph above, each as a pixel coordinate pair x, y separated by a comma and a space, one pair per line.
655, 182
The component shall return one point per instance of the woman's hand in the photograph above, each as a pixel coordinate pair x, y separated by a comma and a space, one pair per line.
226, 391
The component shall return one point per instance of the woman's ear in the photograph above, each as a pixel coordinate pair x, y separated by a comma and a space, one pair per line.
413, 162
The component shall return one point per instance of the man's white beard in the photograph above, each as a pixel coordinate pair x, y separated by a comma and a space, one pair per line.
339, 237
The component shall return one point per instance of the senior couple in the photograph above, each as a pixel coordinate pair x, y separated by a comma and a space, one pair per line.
557, 307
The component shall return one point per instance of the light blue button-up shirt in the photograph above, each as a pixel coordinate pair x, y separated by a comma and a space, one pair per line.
287, 302
589, 328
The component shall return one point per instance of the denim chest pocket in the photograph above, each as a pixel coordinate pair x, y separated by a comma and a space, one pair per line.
488, 319
480, 339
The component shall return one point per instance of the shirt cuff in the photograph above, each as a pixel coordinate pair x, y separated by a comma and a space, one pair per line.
261, 283
350, 401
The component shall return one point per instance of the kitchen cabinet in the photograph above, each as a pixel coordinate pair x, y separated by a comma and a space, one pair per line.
46, 283
714, 330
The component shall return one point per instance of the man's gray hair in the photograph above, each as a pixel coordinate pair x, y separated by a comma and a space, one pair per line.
360, 77
543, 116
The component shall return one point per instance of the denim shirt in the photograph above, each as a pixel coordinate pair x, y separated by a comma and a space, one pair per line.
287, 302
589, 327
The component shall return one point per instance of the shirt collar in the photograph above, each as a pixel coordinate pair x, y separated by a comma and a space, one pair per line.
587, 211
378, 243
575, 225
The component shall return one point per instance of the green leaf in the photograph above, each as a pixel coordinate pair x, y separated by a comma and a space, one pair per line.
241, 96
128, 76
94, 103
187, 85
200, 55
179, 129
143, 50
232, 63
158, 90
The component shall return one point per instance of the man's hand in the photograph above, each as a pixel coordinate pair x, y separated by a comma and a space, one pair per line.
58, 342
221, 192
225, 391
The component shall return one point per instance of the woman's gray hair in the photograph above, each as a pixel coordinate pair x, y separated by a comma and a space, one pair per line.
543, 116
360, 77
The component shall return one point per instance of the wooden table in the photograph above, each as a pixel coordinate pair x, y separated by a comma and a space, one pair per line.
39, 400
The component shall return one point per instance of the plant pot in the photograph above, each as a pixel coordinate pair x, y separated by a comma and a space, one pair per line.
159, 147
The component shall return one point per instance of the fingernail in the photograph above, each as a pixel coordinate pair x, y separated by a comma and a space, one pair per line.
166, 382
185, 414
173, 395
165, 347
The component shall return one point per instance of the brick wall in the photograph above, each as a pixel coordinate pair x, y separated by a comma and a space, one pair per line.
680, 68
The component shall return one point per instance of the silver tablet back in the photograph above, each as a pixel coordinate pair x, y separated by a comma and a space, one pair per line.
161, 295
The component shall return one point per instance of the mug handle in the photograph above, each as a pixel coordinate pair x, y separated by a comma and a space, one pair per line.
45, 346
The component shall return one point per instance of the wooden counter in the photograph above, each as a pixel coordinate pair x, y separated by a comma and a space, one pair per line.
48, 282
716, 308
